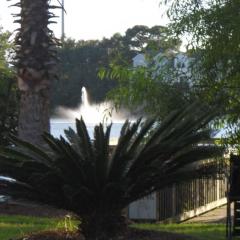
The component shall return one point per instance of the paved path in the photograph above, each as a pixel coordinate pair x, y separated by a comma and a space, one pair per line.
218, 215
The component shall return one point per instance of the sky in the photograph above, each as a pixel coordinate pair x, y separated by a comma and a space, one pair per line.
95, 19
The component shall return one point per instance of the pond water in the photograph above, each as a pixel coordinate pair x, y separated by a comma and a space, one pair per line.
59, 125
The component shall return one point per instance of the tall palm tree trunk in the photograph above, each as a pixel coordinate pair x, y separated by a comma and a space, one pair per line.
103, 225
36, 55
34, 115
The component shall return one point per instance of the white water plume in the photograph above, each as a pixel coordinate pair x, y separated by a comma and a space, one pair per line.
92, 113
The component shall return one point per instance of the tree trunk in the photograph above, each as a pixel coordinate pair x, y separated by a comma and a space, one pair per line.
103, 226
34, 115
37, 57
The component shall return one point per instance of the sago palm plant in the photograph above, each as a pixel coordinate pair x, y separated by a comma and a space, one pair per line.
84, 176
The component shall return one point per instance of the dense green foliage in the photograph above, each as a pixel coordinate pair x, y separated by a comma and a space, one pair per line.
210, 31
96, 182
157, 81
8, 103
155, 88
212, 28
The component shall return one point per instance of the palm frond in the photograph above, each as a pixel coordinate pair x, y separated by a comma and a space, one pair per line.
83, 175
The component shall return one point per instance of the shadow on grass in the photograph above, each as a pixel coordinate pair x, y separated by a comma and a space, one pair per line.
200, 231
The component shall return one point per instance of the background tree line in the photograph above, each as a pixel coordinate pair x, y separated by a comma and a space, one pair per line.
80, 61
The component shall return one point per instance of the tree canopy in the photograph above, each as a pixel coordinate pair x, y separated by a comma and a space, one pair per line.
211, 34
8, 104
212, 29
157, 81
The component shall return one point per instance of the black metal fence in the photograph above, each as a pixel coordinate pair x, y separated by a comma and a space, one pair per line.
184, 197
181, 201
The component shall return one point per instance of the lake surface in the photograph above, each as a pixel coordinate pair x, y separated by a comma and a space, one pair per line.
59, 125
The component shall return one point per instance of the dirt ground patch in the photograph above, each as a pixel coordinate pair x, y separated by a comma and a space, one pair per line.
30, 209
132, 234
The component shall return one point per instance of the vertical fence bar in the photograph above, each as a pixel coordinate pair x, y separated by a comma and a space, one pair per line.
183, 197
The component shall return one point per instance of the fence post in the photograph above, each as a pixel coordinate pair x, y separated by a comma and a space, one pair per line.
218, 189
157, 205
174, 204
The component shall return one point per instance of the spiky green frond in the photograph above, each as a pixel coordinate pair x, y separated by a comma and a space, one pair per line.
35, 43
83, 175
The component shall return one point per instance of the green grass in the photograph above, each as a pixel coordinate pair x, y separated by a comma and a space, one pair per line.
17, 226
200, 231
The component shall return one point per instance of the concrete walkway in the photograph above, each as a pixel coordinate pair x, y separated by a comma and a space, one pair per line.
218, 215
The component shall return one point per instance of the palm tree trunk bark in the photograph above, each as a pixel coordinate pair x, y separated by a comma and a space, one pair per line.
37, 58
34, 115
103, 226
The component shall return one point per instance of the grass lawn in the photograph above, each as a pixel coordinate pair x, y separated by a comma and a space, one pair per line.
200, 231
16, 226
